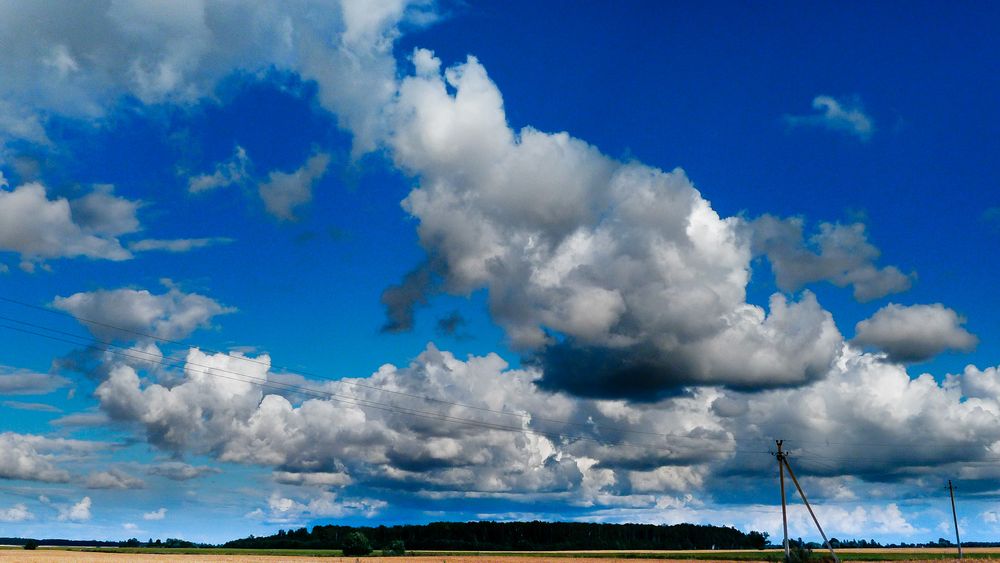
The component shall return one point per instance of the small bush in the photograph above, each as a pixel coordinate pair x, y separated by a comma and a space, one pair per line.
799, 553
31, 544
396, 547
356, 544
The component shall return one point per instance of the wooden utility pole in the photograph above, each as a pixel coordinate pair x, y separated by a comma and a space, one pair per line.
954, 515
784, 514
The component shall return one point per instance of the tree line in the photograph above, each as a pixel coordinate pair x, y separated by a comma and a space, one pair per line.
487, 536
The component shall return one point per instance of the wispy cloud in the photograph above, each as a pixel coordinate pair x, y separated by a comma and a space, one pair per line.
114, 478
283, 192
82, 419
176, 245
232, 171
22, 406
180, 471
15, 381
839, 254
847, 116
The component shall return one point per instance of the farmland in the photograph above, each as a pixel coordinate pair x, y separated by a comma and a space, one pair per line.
103, 555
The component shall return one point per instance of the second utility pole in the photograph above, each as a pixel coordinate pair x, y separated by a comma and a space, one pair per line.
784, 514
954, 515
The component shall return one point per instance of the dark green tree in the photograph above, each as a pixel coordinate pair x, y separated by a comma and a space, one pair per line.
31, 544
757, 540
357, 543
396, 548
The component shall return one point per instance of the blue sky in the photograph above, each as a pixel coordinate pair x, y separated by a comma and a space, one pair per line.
571, 262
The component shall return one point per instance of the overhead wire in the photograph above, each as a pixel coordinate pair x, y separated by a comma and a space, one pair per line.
939, 444
293, 371
341, 381
857, 458
86, 341
812, 458
529, 417
346, 399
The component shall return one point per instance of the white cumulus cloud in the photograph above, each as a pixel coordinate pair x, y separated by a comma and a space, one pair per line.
158, 514
630, 263
503, 436
39, 228
120, 314
78, 60
34, 458
78, 512
17, 513
914, 333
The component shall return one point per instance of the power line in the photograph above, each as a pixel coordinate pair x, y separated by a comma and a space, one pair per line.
286, 369
87, 341
351, 400
882, 444
863, 458
388, 407
340, 381
528, 417
814, 461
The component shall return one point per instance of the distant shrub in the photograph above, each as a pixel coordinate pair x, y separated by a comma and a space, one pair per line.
799, 552
31, 544
357, 543
396, 547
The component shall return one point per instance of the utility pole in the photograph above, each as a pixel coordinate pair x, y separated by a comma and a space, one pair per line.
954, 515
784, 514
